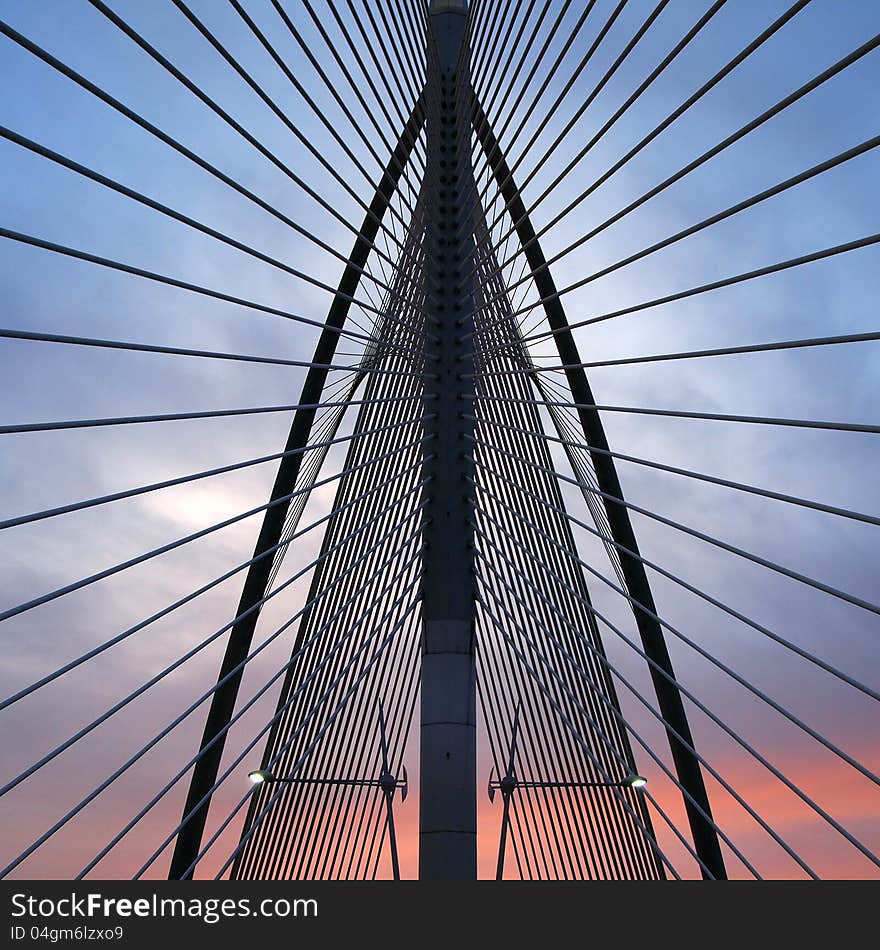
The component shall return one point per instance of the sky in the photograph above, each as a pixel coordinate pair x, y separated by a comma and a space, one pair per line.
46, 292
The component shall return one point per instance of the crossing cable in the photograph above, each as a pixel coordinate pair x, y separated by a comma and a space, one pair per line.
580, 741
526, 852
491, 671
828, 74
650, 632
188, 844
321, 859
232, 767
73, 664
539, 515
688, 414
119, 188
575, 666
634, 732
232, 857
81, 733
279, 113
365, 803
78, 585
273, 529
739, 739
600, 655
307, 474
169, 785
543, 562
788, 15
582, 466
487, 677
574, 483
603, 32
298, 765
791, 717
848, 155
299, 793
528, 830
723, 545
147, 126
501, 321
581, 463
43, 838
319, 764
515, 441
181, 416
296, 867
549, 741
401, 313
793, 647
352, 735
235, 810
291, 77
185, 285
369, 448
337, 526
551, 556
713, 480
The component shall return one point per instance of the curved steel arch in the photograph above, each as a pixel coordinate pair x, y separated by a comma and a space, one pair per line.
678, 732
198, 800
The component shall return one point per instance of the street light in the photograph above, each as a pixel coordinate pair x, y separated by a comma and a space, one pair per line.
509, 783
387, 782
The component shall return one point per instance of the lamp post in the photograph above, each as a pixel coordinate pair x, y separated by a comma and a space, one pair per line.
386, 781
509, 783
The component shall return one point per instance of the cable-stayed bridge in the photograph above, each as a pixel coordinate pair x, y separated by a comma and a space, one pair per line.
510, 600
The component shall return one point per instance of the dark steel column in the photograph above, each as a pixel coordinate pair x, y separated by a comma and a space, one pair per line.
668, 696
448, 783
238, 646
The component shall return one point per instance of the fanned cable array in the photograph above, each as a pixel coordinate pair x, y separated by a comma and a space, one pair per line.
546, 551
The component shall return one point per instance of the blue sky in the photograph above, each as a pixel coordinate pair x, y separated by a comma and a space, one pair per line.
43, 291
